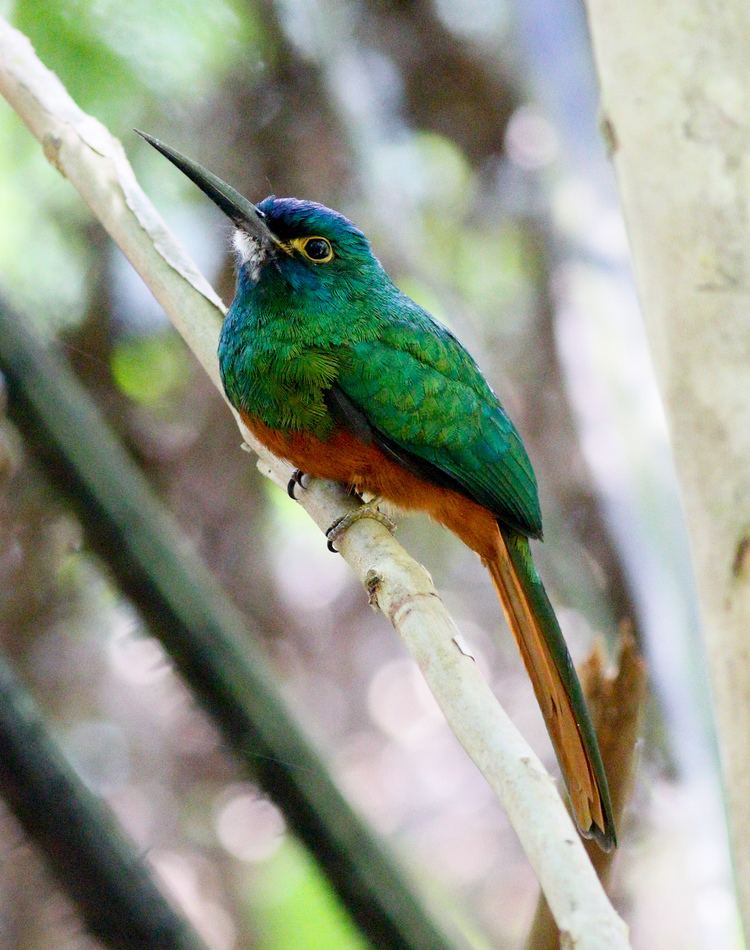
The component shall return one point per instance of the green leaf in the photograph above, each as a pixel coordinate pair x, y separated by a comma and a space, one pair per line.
148, 369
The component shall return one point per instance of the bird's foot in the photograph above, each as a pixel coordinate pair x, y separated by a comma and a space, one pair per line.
341, 525
296, 479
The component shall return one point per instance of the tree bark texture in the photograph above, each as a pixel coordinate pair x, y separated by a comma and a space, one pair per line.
675, 86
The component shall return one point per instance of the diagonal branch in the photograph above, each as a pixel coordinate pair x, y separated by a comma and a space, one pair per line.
100, 869
82, 149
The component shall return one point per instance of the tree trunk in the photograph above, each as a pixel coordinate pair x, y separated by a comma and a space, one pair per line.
675, 83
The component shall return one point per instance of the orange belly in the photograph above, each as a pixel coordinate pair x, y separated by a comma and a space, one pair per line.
343, 458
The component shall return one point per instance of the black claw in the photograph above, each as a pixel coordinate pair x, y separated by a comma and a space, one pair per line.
329, 531
296, 479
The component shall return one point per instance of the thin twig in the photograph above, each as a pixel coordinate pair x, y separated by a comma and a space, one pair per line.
82, 149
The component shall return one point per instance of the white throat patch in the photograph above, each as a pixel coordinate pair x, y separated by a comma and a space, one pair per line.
249, 251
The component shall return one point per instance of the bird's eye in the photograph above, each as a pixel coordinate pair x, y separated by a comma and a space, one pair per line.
317, 249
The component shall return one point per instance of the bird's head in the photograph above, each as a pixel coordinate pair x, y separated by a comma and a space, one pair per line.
301, 244
309, 247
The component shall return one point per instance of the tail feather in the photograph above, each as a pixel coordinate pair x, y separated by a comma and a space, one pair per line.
545, 655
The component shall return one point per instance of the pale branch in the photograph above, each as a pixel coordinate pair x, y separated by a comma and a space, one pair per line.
616, 702
82, 149
675, 87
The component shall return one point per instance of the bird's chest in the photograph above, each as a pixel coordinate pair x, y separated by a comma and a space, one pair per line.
265, 378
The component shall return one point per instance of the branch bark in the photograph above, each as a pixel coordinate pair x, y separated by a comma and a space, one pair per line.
675, 88
82, 149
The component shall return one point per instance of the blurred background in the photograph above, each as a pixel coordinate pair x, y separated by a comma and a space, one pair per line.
462, 137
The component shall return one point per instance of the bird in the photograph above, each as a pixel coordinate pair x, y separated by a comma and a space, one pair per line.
334, 369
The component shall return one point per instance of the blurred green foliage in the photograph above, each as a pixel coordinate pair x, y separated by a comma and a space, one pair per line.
123, 63
149, 368
293, 906
117, 59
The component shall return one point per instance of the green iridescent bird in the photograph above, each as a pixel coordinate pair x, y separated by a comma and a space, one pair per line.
336, 370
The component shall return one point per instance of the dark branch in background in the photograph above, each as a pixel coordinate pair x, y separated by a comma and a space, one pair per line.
448, 86
207, 639
270, 127
286, 122
98, 868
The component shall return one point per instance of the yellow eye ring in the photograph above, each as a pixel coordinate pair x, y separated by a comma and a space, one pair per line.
315, 248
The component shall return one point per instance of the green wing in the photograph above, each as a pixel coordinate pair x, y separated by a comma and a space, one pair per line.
419, 388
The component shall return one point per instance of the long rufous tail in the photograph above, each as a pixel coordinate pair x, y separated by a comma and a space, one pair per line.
537, 632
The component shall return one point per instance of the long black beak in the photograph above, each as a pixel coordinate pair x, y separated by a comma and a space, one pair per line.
238, 209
